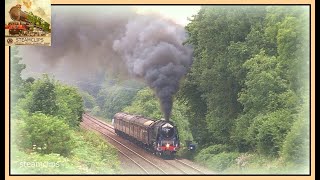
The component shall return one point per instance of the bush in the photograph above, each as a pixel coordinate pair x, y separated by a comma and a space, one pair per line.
90, 155
43, 97
96, 111
253, 163
35, 163
70, 104
240, 135
210, 151
296, 144
117, 99
94, 155
268, 131
221, 161
88, 100
185, 153
215, 149
45, 134
53, 98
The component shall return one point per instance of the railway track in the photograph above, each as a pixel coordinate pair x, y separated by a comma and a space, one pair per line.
99, 121
189, 166
135, 157
179, 166
124, 154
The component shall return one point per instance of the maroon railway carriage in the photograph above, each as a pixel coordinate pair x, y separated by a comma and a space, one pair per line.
159, 136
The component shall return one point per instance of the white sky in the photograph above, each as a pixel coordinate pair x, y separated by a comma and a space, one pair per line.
175, 12
178, 13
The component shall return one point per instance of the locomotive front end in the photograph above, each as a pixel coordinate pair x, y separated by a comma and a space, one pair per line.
168, 140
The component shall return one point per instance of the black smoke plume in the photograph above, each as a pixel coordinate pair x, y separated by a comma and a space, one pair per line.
117, 40
152, 50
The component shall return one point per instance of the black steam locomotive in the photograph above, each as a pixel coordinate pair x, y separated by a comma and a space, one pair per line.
159, 136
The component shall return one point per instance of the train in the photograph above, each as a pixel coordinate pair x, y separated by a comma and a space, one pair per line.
158, 136
26, 23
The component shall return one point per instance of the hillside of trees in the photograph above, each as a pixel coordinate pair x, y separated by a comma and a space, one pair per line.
247, 92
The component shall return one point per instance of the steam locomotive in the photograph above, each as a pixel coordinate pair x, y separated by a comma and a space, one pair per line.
159, 136
25, 23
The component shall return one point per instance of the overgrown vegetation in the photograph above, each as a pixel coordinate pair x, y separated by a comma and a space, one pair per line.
46, 137
248, 88
109, 96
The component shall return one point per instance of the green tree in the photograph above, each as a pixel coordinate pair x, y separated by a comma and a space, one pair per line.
45, 134
247, 74
216, 76
288, 28
145, 103
296, 149
50, 97
69, 104
196, 109
267, 132
118, 98
43, 96
264, 86
115, 95
16, 81
265, 93
88, 100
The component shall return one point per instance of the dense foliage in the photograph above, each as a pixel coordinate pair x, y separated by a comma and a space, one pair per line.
106, 96
249, 84
45, 133
90, 155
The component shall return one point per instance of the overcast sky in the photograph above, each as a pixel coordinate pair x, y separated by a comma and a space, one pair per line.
179, 14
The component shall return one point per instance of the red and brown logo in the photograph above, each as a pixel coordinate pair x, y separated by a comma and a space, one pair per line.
9, 40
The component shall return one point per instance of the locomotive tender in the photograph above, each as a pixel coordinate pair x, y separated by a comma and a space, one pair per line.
159, 136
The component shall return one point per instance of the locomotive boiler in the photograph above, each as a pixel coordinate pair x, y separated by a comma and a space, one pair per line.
159, 136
